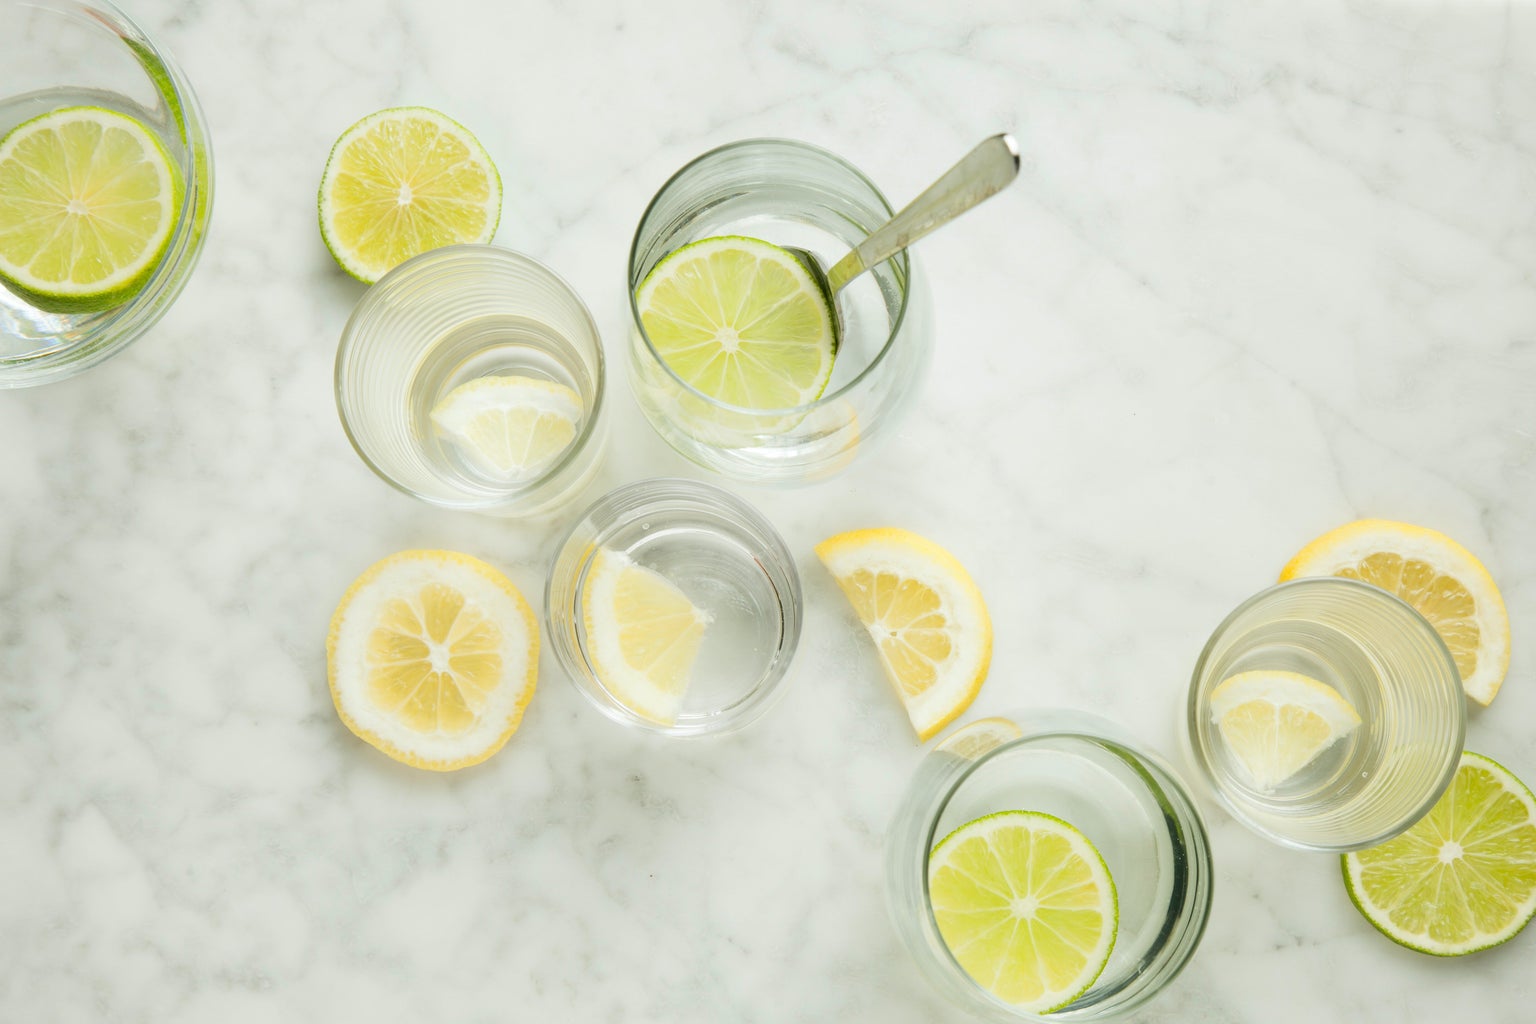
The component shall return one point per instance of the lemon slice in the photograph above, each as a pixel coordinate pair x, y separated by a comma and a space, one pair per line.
1276, 723
433, 656
980, 737
927, 619
1442, 580
1464, 877
741, 321
643, 635
511, 428
401, 182
88, 200
1026, 905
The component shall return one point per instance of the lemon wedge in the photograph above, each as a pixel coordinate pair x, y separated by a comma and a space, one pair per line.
925, 615
1276, 723
643, 635
1443, 581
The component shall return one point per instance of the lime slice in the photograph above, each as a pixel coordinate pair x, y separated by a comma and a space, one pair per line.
1026, 905
643, 634
1464, 877
432, 657
511, 428
401, 182
740, 320
88, 199
1276, 723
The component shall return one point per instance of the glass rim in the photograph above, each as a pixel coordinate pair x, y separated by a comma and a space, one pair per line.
121, 326
1196, 848
826, 398
625, 501
1192, 723
447, 255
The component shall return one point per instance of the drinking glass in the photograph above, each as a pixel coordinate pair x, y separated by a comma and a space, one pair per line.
790, 194
446, 318
1385, 660
1085, 771
63, 53
725, 558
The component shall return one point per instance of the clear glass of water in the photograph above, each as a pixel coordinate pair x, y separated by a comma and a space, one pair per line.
787, 193
444, 319
1387, 662
725, 558
65, 53
1128, 803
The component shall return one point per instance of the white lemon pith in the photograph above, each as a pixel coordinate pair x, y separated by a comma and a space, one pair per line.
1463, 878
433, 656
511, 428
1026, 905
643, 635
740, 320
401, 182
88, 201
925, 615
1439, 578
1277, 723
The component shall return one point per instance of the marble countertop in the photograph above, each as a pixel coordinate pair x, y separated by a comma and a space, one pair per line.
1269, 267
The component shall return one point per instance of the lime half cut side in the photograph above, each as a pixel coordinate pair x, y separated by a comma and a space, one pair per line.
402, 182
741, 321
1027, 907
88, 202
1463, 878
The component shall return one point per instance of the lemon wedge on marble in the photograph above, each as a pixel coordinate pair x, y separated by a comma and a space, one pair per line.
926, 617
1443, 581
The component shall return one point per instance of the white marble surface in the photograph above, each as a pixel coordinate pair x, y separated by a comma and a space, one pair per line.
1270, 266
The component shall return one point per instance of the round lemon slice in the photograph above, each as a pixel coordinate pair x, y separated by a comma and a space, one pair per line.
1464, 877
401, 182
510, 428
1277, 723
740, 320
432, 657
925, 615
643, 635
1026, 905
88, 200
1441, 579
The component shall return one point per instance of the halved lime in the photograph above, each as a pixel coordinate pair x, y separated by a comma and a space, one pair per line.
742, 321
401, 182
1464, 877
88, 200
1026, 905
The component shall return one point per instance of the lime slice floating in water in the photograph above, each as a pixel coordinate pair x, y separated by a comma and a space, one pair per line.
741, 321
1464, 877
401, 182
511, 428
88, 200
1026, 905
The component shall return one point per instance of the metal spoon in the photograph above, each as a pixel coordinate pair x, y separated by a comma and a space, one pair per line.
982, 173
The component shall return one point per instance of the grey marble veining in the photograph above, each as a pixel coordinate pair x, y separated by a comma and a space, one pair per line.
1269, 267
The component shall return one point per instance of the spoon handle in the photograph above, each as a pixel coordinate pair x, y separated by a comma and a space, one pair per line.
982, 173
